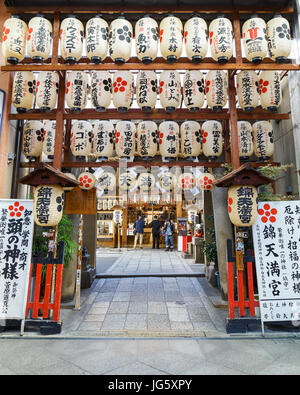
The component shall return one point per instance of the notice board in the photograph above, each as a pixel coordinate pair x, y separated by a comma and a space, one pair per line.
79, 201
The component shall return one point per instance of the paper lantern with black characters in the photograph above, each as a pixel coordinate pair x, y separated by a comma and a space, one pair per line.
221, 39
171, 38
248, 89
169, 140
146, 90
49, 138
193, 90
39, 38
146, 39
168, 181
23, 91
146, 182
32, 139
47, 90
122, 90
96, 40
127, 180
216, 89
196, 39
71, 39
48, 204
147, 139
101, 89
76, 90
255, 39
279, 38
170, 90
103, 140
125, 132
87, 180
106, 182
205, 180
186, 181
245, 140
190, 133
270, 90
242, 205
120, 36
212, 139
14, 39
263, 139
81, 139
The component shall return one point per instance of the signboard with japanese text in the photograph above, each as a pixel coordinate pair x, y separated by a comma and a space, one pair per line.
276, 236
16, 234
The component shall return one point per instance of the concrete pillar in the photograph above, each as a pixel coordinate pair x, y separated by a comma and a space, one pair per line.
224, 231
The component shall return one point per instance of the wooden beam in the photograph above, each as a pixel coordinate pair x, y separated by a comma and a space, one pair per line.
59, 133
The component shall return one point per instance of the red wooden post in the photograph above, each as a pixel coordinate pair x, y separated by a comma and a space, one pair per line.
230, 291
251, 289
241, 296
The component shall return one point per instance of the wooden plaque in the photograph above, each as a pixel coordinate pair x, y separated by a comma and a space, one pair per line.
79, 201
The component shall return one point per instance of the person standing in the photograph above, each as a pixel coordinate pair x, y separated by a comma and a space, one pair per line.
169, 229
139, 232
155, 224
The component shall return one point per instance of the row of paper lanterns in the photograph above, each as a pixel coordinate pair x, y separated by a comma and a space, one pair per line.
100, 138
251, 90
259, 38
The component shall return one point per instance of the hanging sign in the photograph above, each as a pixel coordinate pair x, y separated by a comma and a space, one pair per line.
80, 201
276, 236
16, 234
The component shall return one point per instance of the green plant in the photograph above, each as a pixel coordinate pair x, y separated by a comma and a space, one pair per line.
209, 246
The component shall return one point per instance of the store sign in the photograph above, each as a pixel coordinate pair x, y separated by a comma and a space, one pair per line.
276, 236
16, 234
118, 216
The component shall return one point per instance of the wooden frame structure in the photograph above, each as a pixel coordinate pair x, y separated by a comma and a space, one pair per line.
229, 116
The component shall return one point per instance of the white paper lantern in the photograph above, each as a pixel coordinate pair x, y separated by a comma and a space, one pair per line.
76, 90
47, 90
127, 180
39, 38
120, 36
146, 182
170, 90
263, 139
216, 89
255, 39
106, 182
48, 204
103, 139
193, 90
191, 146
171, 38
196, 39
101, 89
146, 90
70, 175
96, 40
206, 180
71, 39
23, 91
279, 38
118, 216
13, 39
221, 39
270, 90
186, 181
248, 89
212, 139
245, 140
87, 180
169, 140
168, 181
81, 139
147, 139
32, 140
125, 133
242, 205
49, 138
146, 39
122, 90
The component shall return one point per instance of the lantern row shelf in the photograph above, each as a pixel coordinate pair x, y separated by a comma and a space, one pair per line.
252, 90
259, 38
125, 139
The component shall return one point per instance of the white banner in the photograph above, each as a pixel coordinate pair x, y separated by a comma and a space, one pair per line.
16, 233
276, 235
